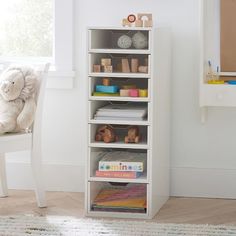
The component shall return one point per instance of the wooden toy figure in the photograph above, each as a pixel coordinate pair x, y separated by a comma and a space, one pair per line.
106, 134
133, 135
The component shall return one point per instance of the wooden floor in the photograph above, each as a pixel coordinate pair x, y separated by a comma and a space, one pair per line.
176, 210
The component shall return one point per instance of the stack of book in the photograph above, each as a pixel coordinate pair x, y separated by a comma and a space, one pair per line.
135, 112
131, 198
121, 164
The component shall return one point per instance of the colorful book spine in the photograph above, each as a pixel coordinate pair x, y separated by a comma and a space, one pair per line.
121, 166
118, 174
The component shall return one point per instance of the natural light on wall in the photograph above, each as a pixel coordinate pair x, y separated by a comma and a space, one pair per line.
26, 29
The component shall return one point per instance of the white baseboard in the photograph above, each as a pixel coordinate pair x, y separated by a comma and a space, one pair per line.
185, 182
58, 177
198, 182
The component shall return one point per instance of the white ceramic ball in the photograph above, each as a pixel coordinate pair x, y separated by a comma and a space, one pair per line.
139, 40
124, 41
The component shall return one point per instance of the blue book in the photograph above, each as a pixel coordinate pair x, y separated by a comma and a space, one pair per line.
107, 89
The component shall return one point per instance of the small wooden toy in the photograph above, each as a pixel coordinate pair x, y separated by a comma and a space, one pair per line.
139, 23
125, 65
124, 92
107, 69
133, 92
148, 22
125, 22
131, 18
96, 68
133, 135
106, 61
101, 94
143, 92
134, 65
107, 89
106, 81
143, 69
106, 134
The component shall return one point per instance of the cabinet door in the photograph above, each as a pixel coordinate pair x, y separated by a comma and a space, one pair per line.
228, 35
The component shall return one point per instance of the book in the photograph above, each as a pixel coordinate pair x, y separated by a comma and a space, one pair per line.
122, 161
131, 198
118, 174
124, 110
118, 209
96, 117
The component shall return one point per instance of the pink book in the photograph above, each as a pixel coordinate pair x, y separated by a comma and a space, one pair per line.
118, 174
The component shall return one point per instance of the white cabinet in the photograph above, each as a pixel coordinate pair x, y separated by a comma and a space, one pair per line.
155, 129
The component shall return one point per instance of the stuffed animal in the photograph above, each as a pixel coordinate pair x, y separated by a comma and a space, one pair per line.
18, 88
133, 135
106, 134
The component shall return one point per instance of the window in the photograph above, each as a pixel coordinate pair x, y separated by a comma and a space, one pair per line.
26, 28
39, 30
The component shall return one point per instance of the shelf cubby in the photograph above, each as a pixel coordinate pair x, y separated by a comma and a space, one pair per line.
95, 59
107, 38
94, 159
120, 131
140, 84
94, 106
95, 187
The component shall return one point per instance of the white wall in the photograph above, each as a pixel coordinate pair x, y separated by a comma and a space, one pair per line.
202, 156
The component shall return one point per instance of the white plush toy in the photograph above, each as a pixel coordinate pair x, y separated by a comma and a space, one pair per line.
18, 88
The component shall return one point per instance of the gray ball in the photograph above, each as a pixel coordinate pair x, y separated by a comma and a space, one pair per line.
124, 42
139, 40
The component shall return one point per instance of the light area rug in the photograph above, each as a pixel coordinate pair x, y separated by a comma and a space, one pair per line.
66, 226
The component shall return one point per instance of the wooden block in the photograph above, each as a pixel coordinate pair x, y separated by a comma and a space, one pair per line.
138, 23
125, 22
143, 92
124, 92
143, 69
148, 23
125, 66
106, 81
147, 15
107, 69
134, 65
96, 68
133, 93
106, 61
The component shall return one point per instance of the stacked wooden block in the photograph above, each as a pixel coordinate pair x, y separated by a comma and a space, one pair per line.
105, 66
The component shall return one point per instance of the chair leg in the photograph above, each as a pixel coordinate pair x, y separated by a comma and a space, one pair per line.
3, 177
36, 164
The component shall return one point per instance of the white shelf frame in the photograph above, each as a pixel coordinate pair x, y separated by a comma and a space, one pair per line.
158, 102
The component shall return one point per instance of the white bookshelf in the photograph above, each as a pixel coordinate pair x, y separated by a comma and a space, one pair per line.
212, 95
155, 130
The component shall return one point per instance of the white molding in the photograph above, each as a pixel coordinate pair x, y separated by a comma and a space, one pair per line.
185, 181
61, 80
57, 177
203, 182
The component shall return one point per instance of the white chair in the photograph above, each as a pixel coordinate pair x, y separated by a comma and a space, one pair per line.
14, 142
